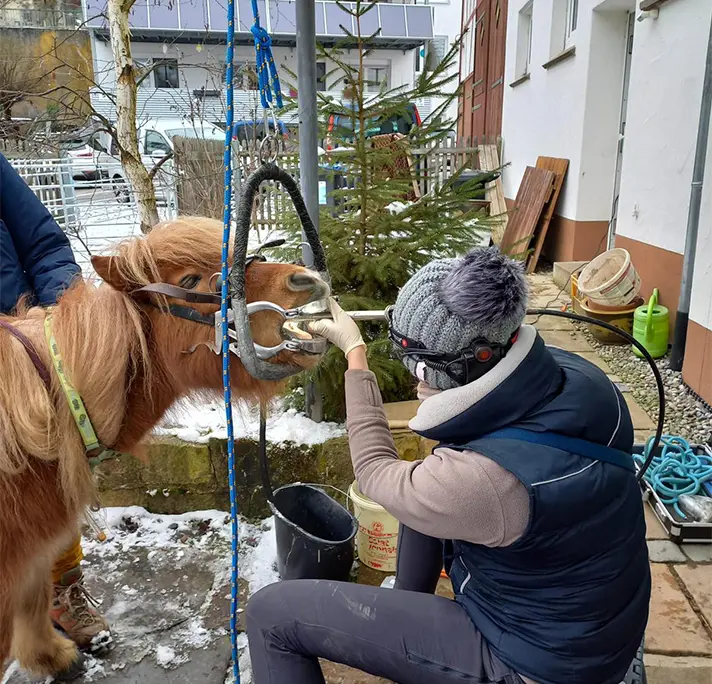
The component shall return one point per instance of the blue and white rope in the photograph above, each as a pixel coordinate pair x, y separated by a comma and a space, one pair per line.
270, 91
227, 218
267, 77
676, 471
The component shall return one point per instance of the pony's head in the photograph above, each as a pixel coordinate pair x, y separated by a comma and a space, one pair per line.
186, 252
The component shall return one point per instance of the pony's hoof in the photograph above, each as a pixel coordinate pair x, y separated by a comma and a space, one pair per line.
75, 670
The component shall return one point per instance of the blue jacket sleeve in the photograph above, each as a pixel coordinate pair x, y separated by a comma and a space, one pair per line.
42, 247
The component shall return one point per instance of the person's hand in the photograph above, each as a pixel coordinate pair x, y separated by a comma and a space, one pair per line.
341, 330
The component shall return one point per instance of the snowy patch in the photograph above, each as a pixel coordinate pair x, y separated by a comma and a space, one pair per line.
167, 658
199, 423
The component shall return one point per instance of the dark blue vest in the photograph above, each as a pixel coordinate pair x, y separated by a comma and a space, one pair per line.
568, 602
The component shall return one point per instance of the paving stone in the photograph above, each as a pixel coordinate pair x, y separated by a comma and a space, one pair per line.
654, 530
549, 323
699, 553
548, 301
661, 669
340, 674
573, 342
641, 420
673, 627
698, 580
642, 436
665, 551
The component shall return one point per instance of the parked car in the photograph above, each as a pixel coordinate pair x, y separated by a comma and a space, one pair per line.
247, 129
401, 122
155, 141
88, 154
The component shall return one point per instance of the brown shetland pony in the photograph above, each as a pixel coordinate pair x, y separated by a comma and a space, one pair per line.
127, 358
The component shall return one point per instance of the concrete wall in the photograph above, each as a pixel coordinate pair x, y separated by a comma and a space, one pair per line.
61, 59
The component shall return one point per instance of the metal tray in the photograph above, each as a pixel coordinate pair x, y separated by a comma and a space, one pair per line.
679, 530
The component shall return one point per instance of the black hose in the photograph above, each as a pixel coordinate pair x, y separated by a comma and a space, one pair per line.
262, 452
646, 355
251, 187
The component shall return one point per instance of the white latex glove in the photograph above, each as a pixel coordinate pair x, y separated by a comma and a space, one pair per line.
341, 331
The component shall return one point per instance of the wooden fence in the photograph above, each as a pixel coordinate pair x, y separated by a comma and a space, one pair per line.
199, 176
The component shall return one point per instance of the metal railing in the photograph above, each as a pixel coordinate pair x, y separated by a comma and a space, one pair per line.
93, 214
40, 18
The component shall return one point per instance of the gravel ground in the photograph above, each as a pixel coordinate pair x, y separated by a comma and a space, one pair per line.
686, 414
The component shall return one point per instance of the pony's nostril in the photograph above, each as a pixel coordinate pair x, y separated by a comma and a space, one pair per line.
304, 281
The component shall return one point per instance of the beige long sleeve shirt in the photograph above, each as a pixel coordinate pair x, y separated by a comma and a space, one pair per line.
450, 494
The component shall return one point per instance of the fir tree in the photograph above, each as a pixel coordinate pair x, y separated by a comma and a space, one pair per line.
375, 237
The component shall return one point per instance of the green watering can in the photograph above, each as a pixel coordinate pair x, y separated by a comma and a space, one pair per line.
651, 327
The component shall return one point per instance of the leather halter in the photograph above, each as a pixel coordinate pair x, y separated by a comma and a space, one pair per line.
31, 352
190, 296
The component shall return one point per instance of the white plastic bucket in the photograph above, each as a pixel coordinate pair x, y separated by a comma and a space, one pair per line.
377, 536
610, 279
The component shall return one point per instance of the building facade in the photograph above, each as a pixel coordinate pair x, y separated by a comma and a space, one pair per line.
616, 89
484, 32
184, 41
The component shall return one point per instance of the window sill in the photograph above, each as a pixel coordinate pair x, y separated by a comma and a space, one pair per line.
518, 81
561, 57
646, 5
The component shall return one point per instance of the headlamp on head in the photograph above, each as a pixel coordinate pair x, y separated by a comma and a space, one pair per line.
463, 366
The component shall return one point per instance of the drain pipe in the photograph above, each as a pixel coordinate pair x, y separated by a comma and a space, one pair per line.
677, 354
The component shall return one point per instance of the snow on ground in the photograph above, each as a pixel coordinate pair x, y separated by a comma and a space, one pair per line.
163, 582
195, 422
164, 538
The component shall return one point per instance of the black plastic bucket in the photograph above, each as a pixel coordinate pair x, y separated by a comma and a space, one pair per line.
315, 534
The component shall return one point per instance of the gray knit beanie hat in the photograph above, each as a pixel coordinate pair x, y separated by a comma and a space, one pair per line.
450, 303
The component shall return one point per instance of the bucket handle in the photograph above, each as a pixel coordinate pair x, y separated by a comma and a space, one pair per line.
346, 495
652, 303
327, 486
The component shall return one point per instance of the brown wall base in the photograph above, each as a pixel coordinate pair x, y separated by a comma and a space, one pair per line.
656, 267
697, 369
568, 240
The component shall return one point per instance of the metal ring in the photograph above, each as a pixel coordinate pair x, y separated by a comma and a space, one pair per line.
269, 145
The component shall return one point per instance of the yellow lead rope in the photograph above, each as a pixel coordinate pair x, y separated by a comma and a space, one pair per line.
76, 405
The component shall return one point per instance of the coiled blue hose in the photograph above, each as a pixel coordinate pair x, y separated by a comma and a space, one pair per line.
676, 471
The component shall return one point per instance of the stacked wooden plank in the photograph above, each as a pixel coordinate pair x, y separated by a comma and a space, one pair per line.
534, 192
558, 167
533, 210
489, 161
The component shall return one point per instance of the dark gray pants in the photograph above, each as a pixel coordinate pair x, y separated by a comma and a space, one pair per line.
407, 635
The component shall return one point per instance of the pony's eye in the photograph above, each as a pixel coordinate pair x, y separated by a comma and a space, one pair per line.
190, 281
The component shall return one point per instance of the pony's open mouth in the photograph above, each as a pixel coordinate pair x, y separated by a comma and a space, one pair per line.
296, 330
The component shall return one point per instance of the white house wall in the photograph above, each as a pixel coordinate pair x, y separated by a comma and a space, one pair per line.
447, 21
570, 109
542, 116
663, 115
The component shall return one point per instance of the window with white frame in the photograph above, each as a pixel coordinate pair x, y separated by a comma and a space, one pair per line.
468, 52
375, 78
571, 20
165, 73
524, 40
563, 25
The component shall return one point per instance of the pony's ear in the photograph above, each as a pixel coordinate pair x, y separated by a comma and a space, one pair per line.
107, 268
